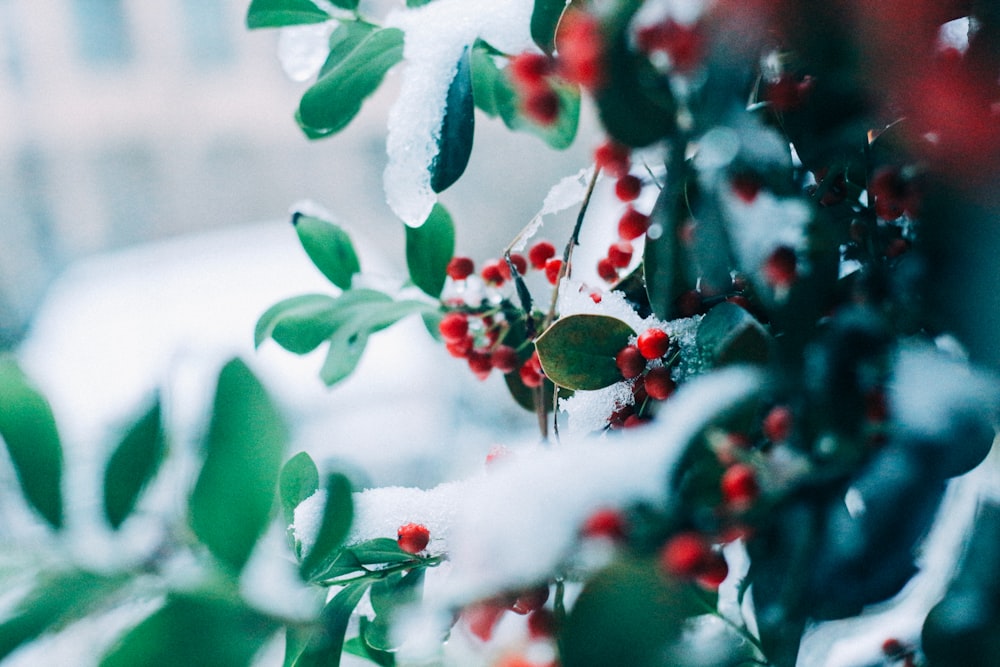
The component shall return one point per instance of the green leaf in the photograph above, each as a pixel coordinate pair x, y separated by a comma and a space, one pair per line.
58, 599
664, 258
350, 5
387, 596
231, 502
381, 550
457, 128
545, 17
193, 629
329, 247
729, 335
298, 324
324, 647
347, 36
578, 351
338, 513
429, 248
627, 614
298, 480
360, 647
417, 3
330, 104
29, 431
133, 464
278, 13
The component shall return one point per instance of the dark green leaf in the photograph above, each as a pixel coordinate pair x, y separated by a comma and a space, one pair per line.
299, 324
29, 430
343, 564
232, 498
380, 550
578, 351
345, 4
387, 596
343, 41
457, 128
429, 248
311, 133
544, 18
664, 258
628, 614
56, 600
728, 335
299, 479
330, 104
338, 513
329, 247
278, 13
132, 465
194, 630
326, 644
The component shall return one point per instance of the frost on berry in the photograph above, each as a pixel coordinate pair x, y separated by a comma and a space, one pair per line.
653, 343
632, 224
630, 362
413, 538
540, 253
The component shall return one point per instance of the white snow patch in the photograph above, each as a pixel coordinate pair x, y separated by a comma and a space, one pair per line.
302, 49
435, 36
589, 411
760, 227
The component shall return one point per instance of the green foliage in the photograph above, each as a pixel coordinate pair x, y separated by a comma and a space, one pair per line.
545, 17
329, 247
29, 430
728, 334
298, 480
338, 513
323, 645
279, 13
428, 250
578, 351
336, 97
457, 128
302, 323
133, 464
231, 502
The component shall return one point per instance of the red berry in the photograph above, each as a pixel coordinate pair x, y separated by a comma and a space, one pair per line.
605, 523
495, 273
528, 70
896, 248
632, 224
553, 268
783, 93
531, 600
689, 303
684, 44
531, 375
413, 538
596, 297
504, 359
685, 554
778, 424
659, 385
746, 187
460, 268
780, 268
520, 263
607, 271
713, 572
893, 648
460, 348
482, 617
580, 47
634, 421
653, 343
628, 187
613, 158
620, 254
480, 363
454, 327
540, 253
541, 624
542, 106
739, 484
630, 362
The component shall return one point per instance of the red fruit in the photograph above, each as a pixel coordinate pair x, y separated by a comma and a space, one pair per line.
684, 555
684, 44
896, 248
482, 617
540, 253
413, 538
634, 421
630, 362
460, 268
746, 187
520, 263
460, 348
893, 648
889, 192
620, 254
713, 572
542, 106
528, 70
659, 384
580, 46
613, 158
653, 343
632, 224
605, 523
689, 303
739, 484
454, 327
553, 268
627, 188
778, 424
531, 600
531, 374
780, 268
541, 624
607, 271
495, 273
504, 359
596, 296
480, 363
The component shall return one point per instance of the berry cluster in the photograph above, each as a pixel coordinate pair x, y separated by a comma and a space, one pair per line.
478, 338
691, 555
482, 617
615, 160
644, 364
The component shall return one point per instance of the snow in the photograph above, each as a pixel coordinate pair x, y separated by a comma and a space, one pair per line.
303, 49
435, 36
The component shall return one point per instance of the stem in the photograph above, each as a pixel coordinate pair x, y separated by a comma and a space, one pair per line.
558, 603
